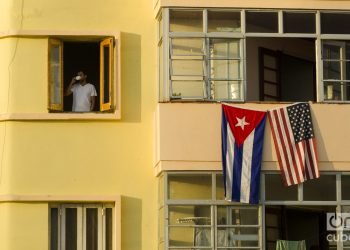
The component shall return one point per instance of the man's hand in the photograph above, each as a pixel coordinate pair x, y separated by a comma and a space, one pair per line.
68, 90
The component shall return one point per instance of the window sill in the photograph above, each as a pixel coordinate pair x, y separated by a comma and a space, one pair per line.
59, 116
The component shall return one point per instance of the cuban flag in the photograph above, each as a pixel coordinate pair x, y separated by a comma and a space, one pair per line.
242, 144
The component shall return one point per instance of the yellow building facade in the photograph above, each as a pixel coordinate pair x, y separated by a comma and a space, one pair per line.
143, 169
50, 158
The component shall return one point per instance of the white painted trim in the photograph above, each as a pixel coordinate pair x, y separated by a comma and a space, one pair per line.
60, 116
80, 227
173, 165
272, 4
63, 33
61, 198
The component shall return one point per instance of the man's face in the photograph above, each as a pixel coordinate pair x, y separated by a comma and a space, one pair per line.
82, 75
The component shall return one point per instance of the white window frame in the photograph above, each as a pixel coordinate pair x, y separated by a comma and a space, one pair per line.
165, 92
81, 223
165, 202
110, 42
213, 203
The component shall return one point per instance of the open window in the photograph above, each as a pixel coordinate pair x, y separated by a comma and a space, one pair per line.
281, 69
93, 56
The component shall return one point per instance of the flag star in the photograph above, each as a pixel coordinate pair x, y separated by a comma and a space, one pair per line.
241, 123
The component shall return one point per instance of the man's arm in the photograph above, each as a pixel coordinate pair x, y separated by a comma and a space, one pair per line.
92, 101
69, 88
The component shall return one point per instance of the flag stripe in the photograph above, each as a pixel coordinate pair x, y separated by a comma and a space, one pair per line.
229, 160
284, 153
246, 168
301, 160
295, 144
312, 158
237, 173
279, 149
308, 161
315, 157
295, 166
256, 161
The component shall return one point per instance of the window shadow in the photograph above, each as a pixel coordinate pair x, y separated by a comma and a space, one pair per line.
131, 77
131, 222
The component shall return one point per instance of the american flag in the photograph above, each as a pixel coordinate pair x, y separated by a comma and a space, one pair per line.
294, 139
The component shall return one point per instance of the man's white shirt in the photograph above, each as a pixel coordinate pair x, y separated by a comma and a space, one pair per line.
82, 97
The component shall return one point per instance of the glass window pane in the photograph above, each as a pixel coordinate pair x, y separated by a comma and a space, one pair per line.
187, 67
189, 236
235, 215
226, 90
109, 228
297, 22
106, 73
225, 69
220, 192
199, 186
187, 46
345, 187
161, 191
345, 225
186, 21
54, 229
161, 220
71, 228
331, 70
347, 50
224, 21
91, 229
330, 51
161, 71
347, 70
335, 23
224, 48
189, 215
275, 189
237, 237
188, 89
55, 75
321, 189
333, 91
264, 22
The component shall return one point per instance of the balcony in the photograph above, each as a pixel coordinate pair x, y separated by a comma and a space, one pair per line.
188, 136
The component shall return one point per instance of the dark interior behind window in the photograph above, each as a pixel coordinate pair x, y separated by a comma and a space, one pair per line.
83, 56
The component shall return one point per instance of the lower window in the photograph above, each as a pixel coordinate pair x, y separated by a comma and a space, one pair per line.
81, 227
193, 214
213, 227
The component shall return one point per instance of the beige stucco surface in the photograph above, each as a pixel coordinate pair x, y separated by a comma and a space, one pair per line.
190, 136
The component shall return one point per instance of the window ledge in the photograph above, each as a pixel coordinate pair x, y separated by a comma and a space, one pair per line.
59, 116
